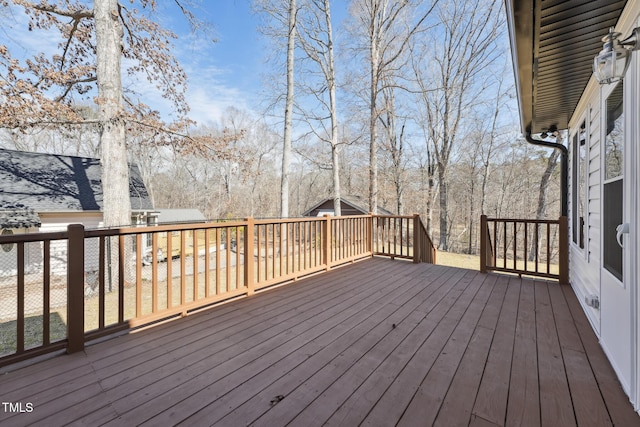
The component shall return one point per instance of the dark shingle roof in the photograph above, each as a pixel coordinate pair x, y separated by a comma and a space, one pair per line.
355, 202
18, 218
53, 183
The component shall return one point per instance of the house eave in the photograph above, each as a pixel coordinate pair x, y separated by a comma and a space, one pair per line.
553, 44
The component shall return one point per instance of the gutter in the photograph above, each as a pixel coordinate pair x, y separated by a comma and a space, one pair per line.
564, 163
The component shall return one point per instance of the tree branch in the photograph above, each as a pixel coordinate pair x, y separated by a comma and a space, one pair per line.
56, 10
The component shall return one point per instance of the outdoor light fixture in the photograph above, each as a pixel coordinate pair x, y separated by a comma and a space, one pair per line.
613, 60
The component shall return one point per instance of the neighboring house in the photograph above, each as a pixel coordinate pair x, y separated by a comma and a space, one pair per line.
349, 205
47, 192
176, 216
553, 47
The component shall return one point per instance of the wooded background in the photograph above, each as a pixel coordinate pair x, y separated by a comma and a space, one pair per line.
407, 105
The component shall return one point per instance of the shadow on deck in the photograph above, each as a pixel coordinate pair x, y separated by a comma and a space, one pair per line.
380, 342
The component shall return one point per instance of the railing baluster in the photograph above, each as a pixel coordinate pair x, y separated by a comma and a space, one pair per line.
121, 261
515, 246
138, 238
46, 293
20, 302
238, 231
169, 255
537, 248
548, 248
227, 285
207, 262
102, 242
183, 276
218, 266
505, 245
196, 255
154, 272
525, 246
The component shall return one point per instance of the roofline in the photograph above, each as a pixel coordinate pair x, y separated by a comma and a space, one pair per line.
522, 64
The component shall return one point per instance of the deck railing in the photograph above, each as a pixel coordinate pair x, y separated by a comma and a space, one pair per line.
525, 247
65, 288
394, 236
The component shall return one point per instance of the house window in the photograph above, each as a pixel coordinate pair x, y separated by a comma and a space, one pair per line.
612, 203
7, 247
579, 184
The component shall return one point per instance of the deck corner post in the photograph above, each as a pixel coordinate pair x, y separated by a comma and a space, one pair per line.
563, 256
249, 281
327, 241
417, 244
483, 243
75, 288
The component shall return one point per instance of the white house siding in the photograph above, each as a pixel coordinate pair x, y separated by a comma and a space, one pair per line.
584, 270
9, 257
59, 222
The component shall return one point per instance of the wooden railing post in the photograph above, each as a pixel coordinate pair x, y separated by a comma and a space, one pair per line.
249, 281
75, 288
417, 244
563, 255
484, 232
326, 241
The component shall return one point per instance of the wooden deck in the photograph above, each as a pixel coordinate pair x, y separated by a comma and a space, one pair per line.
378, 343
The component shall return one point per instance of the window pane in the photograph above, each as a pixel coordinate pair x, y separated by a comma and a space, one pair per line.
579, 185
574, 189
613, 188
612, 217
615, 134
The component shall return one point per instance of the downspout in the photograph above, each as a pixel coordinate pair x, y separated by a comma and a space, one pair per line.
564, 172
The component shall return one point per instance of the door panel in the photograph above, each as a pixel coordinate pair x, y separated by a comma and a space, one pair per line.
616, 296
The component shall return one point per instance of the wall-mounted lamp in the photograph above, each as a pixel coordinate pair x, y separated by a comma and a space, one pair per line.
613, 60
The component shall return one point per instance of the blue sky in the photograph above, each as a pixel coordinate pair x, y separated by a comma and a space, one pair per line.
227, 72
230, 71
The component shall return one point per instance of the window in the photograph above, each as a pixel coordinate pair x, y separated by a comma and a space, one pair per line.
579, 184
7, 247
612, 203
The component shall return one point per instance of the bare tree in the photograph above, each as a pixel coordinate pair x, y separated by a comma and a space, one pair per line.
541, 210
316, 39
280, 25
449, 74
109, 46
394, 143
385, 28
45, 90
288, 111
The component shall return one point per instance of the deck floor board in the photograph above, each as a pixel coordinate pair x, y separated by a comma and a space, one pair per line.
379, 342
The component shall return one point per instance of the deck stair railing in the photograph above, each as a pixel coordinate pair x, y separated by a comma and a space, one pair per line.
525, 247
395, 237
60, 290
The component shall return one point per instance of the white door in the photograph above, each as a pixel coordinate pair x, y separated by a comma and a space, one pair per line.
617, 292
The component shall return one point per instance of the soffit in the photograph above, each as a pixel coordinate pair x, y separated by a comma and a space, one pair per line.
553, 44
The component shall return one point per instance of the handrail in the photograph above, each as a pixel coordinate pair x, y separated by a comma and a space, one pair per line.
525, 247
114, 279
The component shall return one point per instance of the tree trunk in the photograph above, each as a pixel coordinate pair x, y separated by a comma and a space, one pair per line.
331, 83
115, 172
335, 162
373, 147
541, 212
444, 229
373, 119
288, 112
